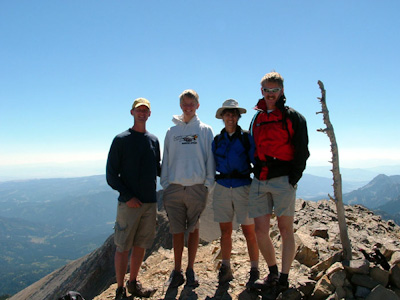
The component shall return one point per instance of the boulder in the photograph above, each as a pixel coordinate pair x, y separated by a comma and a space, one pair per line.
380, 293
364, 280
379, 275
323, 289
357, 266
394, 276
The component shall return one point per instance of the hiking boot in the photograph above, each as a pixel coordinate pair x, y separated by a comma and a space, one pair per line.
269, 281
175, 279
254, 276
135, 288
191, 278
224, 275
120, 293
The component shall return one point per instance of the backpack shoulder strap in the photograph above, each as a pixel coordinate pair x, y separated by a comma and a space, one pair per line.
217, 138
244, 137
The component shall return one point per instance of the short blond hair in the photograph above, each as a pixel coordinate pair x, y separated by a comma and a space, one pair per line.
272, 77
190, 94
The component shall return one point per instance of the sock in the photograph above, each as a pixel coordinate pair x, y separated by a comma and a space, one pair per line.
283, 279
254, 264
273, 269
226, 262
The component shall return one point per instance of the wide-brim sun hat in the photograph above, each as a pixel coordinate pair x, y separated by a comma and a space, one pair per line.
229, 104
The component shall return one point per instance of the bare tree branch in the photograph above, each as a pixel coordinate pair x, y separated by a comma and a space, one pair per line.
337, 177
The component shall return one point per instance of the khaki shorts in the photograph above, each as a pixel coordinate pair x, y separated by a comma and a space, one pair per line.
274, 195
135, 227
230, 201
184, 205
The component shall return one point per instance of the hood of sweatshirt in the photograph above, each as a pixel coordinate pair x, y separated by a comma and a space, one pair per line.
178, 120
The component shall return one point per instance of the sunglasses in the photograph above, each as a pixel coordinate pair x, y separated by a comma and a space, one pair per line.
274, 90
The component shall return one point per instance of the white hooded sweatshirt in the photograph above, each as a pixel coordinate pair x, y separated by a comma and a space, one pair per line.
188, 158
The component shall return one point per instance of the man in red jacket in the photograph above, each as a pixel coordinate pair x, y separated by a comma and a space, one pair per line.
280, 135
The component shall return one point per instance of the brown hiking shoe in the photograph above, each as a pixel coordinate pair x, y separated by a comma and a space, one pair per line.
120, 294
225, 275
254, 276
135, 288
175, 279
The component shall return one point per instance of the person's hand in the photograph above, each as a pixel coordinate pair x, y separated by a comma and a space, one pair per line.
134, 203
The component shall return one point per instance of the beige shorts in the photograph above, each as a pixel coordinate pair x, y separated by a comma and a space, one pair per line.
135, 227
230, 201
184, 205
273, 195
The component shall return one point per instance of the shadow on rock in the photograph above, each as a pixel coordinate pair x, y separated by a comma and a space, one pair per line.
221, 293
188, 293
249, 295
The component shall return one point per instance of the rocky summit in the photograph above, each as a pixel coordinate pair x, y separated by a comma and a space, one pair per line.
318, 271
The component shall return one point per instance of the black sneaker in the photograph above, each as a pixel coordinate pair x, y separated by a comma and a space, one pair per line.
135, 288
175, 279
269, 281
254, 276
225, 275
120, 293
191, 278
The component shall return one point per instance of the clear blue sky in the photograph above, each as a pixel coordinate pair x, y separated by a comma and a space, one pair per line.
70, 70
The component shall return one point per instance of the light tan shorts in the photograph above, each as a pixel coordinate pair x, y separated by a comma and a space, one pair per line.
273, 195
230, 201
135, 226
184, 205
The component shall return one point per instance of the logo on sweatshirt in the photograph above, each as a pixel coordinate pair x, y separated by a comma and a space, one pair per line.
186, 139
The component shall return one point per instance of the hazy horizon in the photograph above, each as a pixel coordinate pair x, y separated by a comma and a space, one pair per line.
71, 70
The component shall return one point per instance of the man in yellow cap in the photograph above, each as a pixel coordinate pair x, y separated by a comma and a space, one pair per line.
132, 167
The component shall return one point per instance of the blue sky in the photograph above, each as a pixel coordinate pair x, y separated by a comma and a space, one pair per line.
70, 71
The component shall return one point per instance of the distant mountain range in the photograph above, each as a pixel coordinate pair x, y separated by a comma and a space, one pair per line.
46, 223
376, 193
382, 195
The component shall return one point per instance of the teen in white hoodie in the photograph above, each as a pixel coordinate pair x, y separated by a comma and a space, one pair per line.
187, 172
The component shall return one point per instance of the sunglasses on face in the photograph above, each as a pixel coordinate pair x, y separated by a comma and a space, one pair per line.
273, 90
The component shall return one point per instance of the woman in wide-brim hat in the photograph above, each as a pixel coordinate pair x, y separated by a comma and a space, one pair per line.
233, 151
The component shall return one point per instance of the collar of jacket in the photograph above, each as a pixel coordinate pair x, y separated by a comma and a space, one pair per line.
237, 133
280, 104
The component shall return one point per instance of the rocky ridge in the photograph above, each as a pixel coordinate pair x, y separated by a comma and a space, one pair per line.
317, 271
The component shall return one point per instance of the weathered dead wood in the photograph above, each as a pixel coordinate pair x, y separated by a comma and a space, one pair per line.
337, 177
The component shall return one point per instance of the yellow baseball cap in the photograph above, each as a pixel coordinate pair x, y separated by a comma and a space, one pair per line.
141, 101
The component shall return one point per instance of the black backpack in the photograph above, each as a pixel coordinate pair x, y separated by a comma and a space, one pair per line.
71, 295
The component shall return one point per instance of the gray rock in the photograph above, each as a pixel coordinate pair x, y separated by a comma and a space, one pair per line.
362, 292
364, 280
379, 275
337, 278
380, 293
394, 276
306, 253
395, 259
327, 264
340, 293
322, 233
359, 266
323, 289
306, 286
290, 294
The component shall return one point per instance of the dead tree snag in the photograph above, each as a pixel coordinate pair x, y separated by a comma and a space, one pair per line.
337, 177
